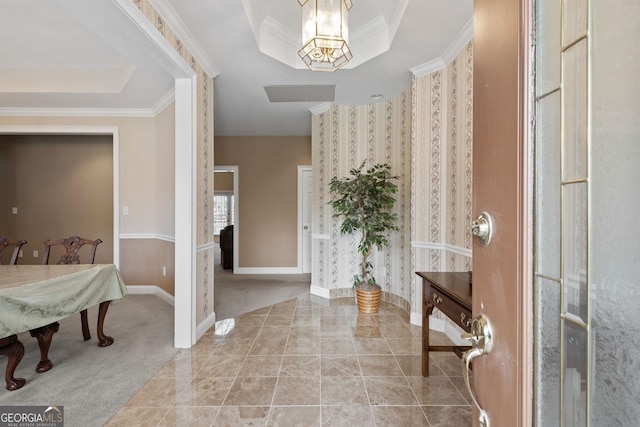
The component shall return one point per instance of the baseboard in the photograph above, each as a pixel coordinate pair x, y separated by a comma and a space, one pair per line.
440, 325
205, 325
454, 334
415, 319
267, 270
151, 290
320, 292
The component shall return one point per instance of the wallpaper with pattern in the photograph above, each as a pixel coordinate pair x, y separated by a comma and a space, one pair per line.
426, 136
204, 135
343, 138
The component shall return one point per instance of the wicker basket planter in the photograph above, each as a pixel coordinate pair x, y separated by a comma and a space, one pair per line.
368, 301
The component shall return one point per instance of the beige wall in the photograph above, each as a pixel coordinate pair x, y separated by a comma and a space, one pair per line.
62, 186
223, 181
267, 195
146, 147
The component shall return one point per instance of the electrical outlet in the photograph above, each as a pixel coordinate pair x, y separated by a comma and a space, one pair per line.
20, 254
14, 211
164, 270
35, 254
125, 210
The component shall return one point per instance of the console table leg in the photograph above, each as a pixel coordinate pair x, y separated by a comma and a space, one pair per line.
44, 335
427, 309
12, 348
103, 340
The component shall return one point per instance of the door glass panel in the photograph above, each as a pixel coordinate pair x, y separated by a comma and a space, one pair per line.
547, 351
562, 283
574, 20
574, 396
548, 46
547, 188
574, 84
615, 204
574, 242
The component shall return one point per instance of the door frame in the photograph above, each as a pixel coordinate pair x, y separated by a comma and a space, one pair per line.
236, 208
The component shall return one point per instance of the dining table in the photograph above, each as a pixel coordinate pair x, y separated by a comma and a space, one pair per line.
35, 298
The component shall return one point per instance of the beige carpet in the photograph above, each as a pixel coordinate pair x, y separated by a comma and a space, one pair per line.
93, 383
235, 294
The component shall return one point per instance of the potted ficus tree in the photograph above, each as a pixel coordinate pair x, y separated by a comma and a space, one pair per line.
364, 200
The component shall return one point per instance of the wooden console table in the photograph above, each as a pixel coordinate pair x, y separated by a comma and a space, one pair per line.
450, 292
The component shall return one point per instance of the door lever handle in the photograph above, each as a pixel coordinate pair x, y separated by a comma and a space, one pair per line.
481, 338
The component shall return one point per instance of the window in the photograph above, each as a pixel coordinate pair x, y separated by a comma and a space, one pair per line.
222, 210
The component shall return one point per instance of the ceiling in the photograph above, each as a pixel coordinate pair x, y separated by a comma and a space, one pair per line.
87, 57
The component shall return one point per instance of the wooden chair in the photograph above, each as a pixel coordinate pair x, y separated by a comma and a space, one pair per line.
17, 244
71, 255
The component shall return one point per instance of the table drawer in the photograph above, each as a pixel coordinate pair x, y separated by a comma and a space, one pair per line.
460, 315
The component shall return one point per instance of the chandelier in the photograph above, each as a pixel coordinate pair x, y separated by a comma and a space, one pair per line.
325, 31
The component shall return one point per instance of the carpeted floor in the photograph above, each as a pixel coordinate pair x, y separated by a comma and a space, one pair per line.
236, 294
92, 383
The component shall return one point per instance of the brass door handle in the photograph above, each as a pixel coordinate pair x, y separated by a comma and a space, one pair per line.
481, 337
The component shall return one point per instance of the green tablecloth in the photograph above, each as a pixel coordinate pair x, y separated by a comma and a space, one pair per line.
32, 296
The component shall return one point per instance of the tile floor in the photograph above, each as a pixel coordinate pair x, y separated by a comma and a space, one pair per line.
305, 362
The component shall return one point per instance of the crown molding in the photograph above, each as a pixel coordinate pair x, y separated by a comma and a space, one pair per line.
172, 19
428, 67
396, 19
76, 112
462, 39
155, 109
320, 108
163, 102
464, 36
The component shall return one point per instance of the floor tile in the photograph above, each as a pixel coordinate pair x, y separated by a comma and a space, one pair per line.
261, 366
302, 345
340, 366
221, 366
294, 416
310, 362
251, 391
448, 416
337, 346
190, 416
379, 366
268, 346
435, 391
297, 391
160, 392
371, 346
347, 416
205, 392
411, 366
242, 416
300, 366
131, 416
389, 391
343, 391
393, 416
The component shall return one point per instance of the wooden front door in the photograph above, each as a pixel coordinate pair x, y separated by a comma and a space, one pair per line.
501, 188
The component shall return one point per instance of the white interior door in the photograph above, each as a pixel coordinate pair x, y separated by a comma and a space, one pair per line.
306, 193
